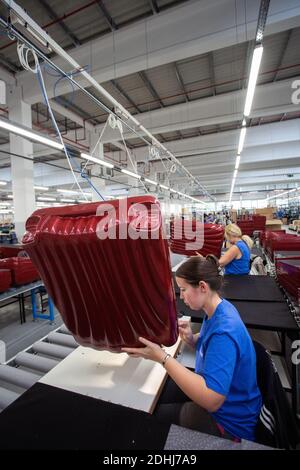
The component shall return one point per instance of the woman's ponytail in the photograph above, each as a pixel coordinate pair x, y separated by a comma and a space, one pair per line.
248, 241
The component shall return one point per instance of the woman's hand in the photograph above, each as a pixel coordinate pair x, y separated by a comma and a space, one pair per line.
152, 351
185, 332
198, 254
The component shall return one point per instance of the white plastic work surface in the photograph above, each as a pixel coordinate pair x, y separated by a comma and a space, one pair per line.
117, 378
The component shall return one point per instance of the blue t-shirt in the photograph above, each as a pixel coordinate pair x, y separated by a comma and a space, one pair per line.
226, 359
242, 265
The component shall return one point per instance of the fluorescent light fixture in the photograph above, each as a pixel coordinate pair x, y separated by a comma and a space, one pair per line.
96, 160
234, 174
256, 59
173, 190
67, 200
237, 162
163, 186
151, 181
130, 173
42, 198
10, 196
281, 194
242, 140
41, 188
67, 191
244, 122
18, 130
3, 183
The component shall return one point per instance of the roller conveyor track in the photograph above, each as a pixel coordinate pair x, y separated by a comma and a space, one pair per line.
27, 367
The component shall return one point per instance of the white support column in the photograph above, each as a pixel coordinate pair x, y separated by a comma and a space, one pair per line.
98, 183
21, 169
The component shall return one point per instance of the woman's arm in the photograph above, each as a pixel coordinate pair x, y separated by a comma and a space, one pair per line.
193, 385
229, 255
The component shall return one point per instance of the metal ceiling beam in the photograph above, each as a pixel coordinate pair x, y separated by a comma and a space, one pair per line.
286, 44
154, 6
262, 19
125, 95
61, 23
212, 72
113, 26
9, 65
74, 107
180, 81
151, 88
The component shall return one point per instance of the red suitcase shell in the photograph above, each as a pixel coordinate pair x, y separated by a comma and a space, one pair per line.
108, 292
213, 237
23, 270
5, 279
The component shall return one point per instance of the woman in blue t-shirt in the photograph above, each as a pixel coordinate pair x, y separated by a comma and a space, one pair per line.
236, 260
221, 397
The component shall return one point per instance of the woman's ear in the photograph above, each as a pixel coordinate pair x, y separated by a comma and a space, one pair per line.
203, 286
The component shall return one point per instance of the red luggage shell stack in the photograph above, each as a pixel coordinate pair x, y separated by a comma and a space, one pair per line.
108, 292
264, 236
259, 222
246, 226
212, 239
23, 270
281, 241
5, 279
288, 274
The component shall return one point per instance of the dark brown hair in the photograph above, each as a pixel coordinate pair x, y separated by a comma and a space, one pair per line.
197, 269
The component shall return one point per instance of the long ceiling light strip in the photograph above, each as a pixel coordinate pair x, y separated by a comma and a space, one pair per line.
242, 140
256, 60
255, 64
96, 160
20, 131
281, 194
44, 36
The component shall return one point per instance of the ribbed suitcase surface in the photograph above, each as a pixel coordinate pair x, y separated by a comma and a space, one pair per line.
108, 291
211, 239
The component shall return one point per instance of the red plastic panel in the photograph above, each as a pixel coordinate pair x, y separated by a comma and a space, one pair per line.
5, 279
212, 239
108, 291
22, 269
288, 273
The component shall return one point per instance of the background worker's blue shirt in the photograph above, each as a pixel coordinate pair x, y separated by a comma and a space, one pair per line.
242, 265
226, 359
